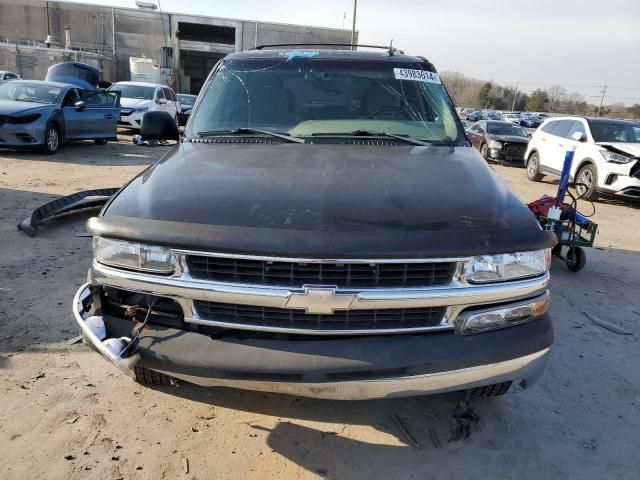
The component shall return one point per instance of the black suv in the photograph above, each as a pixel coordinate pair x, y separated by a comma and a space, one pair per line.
325, 229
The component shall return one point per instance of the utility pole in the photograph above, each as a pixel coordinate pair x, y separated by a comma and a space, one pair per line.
515, 95
601, 100
353, 27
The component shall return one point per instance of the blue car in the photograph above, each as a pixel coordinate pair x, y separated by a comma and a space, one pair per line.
46, 114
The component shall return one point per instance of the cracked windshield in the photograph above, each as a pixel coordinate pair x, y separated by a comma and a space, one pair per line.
305, 97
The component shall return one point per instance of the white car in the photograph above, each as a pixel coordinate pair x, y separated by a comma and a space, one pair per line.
511, 117
137, 98
607, 157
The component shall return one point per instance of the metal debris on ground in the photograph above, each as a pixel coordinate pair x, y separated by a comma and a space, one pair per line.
75, 340
464, 417
405, 431
185, 465
612, 327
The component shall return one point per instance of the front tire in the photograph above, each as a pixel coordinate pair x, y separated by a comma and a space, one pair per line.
144, 376
484, 151
490, 391
588, 176
51, 139
533, 168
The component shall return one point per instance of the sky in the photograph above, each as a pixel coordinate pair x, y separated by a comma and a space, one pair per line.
580, 44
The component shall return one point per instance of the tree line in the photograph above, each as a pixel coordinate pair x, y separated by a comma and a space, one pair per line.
473, 93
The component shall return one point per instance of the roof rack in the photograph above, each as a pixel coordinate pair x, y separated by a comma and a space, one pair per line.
391, 49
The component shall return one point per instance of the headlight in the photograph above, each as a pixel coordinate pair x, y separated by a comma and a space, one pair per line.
494, 144
508, 266
477, 321
141, 110
134, 256
23, 120
610, 156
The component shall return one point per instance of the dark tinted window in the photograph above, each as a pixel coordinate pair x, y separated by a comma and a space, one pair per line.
10, 75
608, 131
168, 94
562, 128
505, 129
549, 126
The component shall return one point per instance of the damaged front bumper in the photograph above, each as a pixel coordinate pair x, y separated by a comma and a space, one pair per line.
82, 306
355, 368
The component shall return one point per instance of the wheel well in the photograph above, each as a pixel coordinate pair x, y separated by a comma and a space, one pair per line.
531, 153
583, 162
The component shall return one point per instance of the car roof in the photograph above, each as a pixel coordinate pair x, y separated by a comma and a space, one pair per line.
497, 122
591, 119
42, 82
333, 54
143, 84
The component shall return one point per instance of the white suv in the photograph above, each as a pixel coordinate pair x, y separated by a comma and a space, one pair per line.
137, 98
607, 158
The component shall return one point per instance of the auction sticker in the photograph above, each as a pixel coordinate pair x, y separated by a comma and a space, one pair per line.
416, 75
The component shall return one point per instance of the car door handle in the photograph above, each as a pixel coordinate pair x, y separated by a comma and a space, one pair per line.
109, 116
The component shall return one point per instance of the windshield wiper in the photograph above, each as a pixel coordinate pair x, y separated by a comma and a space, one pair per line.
249, 130
373, 133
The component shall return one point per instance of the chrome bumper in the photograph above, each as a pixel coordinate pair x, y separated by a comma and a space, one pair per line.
525, 369
125, 365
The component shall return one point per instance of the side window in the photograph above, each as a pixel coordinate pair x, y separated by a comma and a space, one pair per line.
10, 75
100, 100
577, 126
549, 127
69, 98
562, 128
159, 94
168, 94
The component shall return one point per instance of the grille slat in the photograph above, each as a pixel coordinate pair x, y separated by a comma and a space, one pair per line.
343, 275
345, 320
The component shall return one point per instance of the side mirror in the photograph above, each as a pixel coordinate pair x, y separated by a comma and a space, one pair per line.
578, 136
159, 125
162, 101
80, 105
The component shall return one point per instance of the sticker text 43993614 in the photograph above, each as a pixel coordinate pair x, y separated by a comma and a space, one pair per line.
416, 75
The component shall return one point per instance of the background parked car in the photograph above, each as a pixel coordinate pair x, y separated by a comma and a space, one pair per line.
607, 157
8, 76
186, 104
474, 116
511, 118
499, 141
137, 98
530, 121
46, 114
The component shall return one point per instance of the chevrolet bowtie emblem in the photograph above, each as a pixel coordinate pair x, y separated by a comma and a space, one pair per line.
320, 300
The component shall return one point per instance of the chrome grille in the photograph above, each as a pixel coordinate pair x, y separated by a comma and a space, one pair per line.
293, 319
342, 275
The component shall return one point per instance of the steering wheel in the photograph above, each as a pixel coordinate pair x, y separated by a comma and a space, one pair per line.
390, 109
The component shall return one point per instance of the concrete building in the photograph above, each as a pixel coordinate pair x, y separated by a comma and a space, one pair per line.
35, 34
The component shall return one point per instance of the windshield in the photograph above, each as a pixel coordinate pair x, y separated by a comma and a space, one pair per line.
307, 97
30, 92
604, 131
187, 100
505, 129
139, 92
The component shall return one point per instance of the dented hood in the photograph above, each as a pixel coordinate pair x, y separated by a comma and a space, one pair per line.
632, 149
324, 201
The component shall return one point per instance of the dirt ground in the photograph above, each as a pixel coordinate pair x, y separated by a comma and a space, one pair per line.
66, 413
